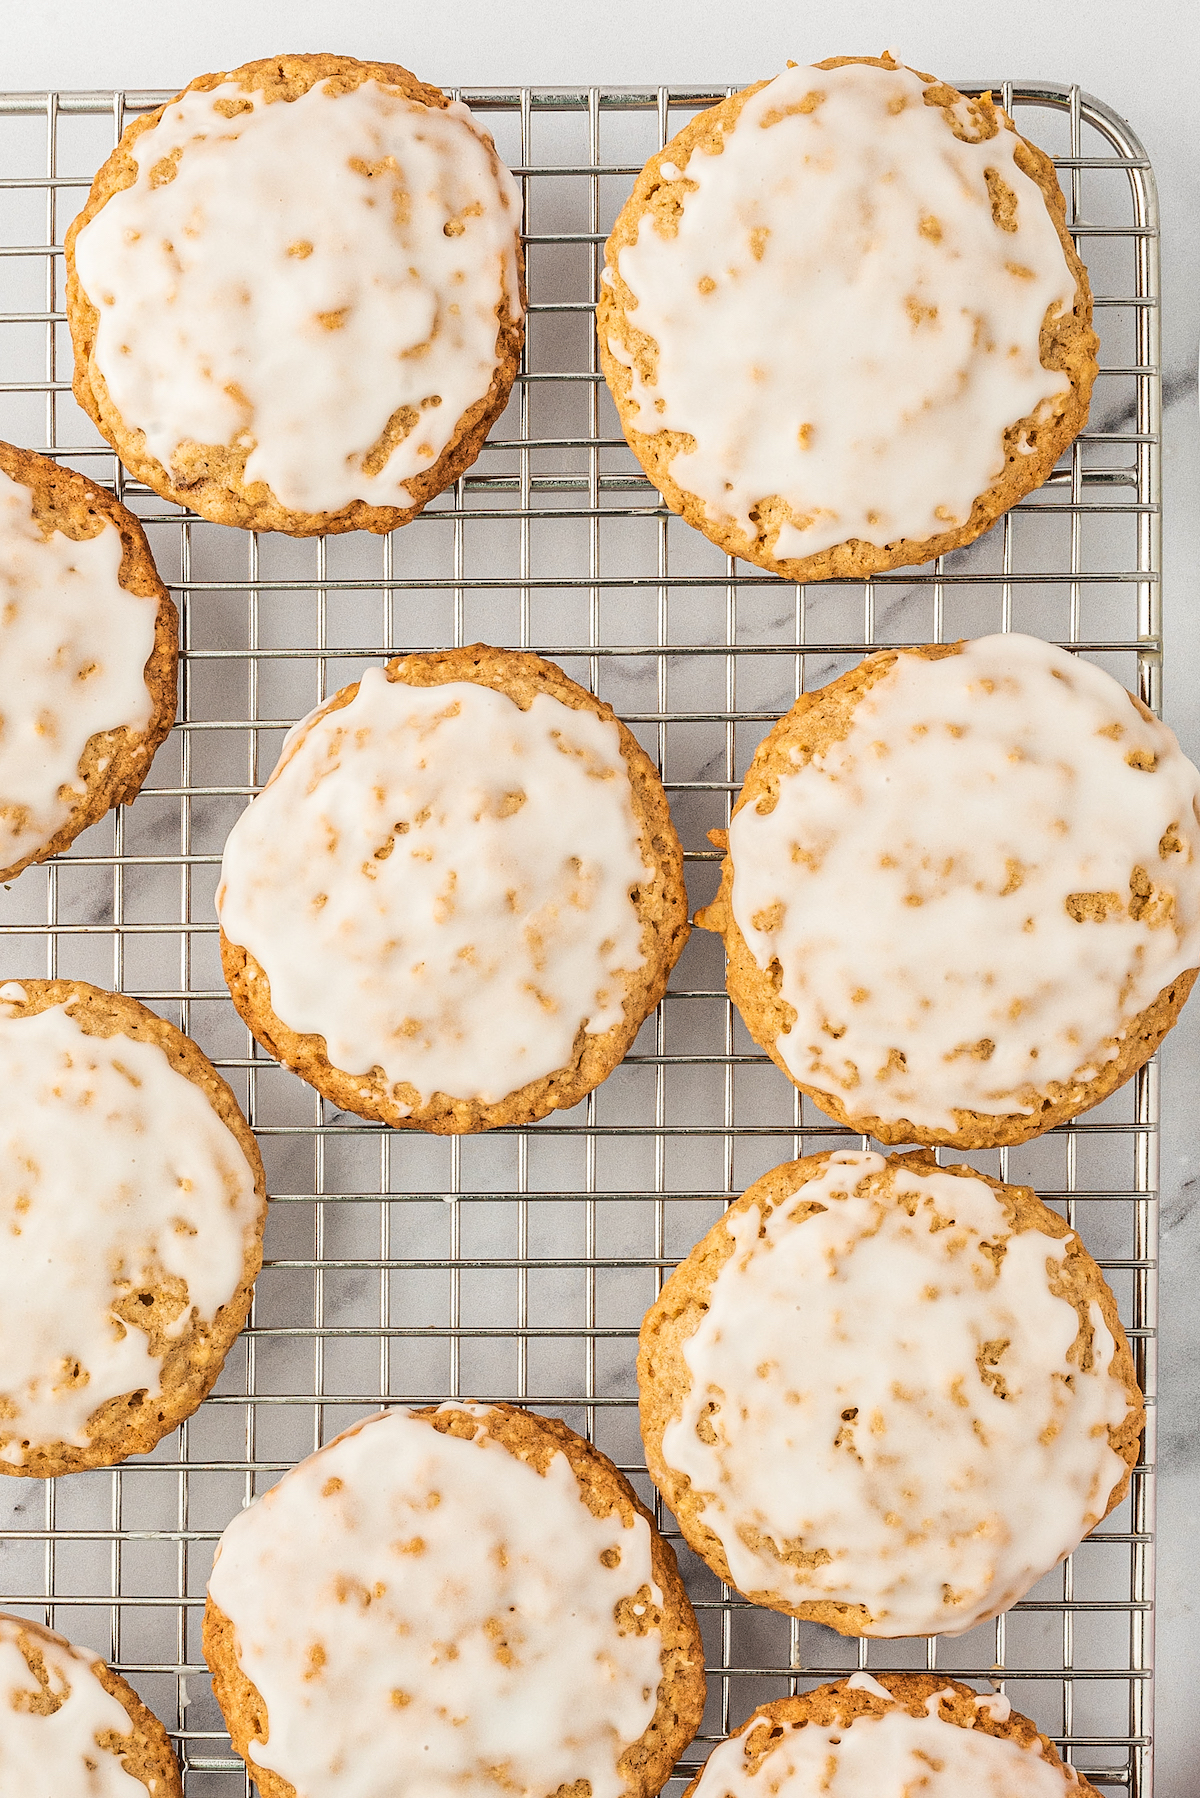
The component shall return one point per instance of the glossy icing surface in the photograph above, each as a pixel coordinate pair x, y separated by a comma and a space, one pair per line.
847, 301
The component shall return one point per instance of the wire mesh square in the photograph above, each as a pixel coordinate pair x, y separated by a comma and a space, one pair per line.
518, 1264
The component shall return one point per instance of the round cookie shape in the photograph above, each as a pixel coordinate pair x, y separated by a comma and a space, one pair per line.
88, 652
961, 898
889, 1737
449, 1598
843, 320
296, 295
458, 896
887, 1396
72, 1725
132, 1204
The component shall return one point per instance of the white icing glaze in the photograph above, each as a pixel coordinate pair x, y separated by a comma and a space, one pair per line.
839, 320
411, 907
862, 1681
894, 1755
73, 651
277, 292
913, 883
429, 1614
58, 1754
166, 1190
854, 1423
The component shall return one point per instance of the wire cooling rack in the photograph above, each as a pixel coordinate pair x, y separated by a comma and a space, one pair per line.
519, 1264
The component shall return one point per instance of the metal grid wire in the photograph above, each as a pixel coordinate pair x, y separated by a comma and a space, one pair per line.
519, 1264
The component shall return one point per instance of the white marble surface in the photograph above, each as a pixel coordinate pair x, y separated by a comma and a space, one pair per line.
1140, 57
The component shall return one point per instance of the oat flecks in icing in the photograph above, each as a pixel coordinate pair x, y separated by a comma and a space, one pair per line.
893, 1405
438, 883
489, 1643
57, 1752
839, 320
311, 268
923, 883
73, 650
116, 1176
894, 1755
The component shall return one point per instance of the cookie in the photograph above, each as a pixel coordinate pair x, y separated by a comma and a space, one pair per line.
458, 896
887, 1396
892, 1737
88, 651
961, 899
71, 1725
132, 1206
844, 322
296, 295
462, 1597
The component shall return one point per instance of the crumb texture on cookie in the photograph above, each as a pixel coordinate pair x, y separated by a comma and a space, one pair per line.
317, 278
448, 1601
861, 1740
957, 880
887, 1395
74, 644
128, 1211
839, 309
457, 889
68, 1725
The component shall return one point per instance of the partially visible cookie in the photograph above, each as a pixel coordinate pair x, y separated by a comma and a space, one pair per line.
464, 1597
69, 1724
961, 899
843, 320
88, 648
296, 295
887, 1396
458, 896
132, 1206
891, 1736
